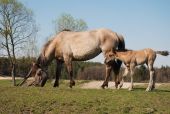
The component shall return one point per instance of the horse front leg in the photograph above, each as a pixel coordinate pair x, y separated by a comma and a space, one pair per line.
68, 64
126, 72
108, 72
58, 73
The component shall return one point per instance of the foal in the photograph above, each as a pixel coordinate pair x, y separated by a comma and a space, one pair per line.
133, 58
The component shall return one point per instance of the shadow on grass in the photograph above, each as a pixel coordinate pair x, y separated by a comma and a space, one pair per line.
155, 90
161, 90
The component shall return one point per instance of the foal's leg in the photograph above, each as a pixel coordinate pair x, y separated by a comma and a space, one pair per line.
58, 73
126, 72
132, 69
131, 83
68, 63
152, 78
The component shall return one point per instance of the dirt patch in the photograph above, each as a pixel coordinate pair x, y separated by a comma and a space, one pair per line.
111, 85
8, 78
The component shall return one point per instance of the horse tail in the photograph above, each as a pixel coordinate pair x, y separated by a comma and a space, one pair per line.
121, 45
164, 53
117, 63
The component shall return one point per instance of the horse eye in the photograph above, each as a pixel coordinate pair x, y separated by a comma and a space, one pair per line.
39, 73
110, 55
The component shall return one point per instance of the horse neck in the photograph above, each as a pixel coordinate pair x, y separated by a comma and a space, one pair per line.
44, 61
48, 53
121, 55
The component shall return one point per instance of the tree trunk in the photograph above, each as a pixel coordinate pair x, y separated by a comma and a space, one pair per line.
13, 74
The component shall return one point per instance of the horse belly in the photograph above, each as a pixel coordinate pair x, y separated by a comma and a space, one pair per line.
85, 52
141, 59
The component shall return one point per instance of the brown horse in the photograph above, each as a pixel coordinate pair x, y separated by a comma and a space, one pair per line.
133, 58
68, 46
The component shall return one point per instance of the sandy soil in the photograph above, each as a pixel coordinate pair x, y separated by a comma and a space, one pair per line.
91, 84
97, 85
8, 78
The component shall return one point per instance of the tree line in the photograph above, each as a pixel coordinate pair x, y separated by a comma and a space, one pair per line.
84, 70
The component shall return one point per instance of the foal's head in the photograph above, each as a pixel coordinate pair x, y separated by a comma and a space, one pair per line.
110, 56
40, 75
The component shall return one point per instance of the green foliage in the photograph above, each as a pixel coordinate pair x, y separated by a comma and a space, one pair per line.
66, 21
4, 66
63, 100
141, 74
22, 68
78, 66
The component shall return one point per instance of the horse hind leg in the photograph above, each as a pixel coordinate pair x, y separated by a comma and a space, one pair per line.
131, 83
132, 70
151, 85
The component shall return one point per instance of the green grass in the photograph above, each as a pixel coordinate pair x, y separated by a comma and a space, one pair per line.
63, 100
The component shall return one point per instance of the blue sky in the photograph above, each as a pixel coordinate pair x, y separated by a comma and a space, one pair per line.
143, 23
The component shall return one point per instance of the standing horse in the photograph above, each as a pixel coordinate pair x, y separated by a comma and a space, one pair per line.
68, 46
133, 58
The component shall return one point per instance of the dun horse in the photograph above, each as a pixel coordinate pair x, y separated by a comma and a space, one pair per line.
133, 58
68, 46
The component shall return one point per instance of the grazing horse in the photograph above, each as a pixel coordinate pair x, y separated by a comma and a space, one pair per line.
68, 46
133, 58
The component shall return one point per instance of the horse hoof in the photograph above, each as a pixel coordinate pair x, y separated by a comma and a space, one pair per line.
72, 83
70, 86
56, 85
148, 89
130, 89
118, 87
102, 87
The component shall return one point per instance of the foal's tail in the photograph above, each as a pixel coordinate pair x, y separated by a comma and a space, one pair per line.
164, 53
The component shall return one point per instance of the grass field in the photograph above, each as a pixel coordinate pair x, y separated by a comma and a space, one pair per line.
63, 100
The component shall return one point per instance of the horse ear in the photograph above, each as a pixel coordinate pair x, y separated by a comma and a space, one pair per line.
35, 65
114, 52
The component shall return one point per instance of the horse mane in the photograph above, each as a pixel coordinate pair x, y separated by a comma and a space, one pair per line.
124, 50
41, 58
46, 46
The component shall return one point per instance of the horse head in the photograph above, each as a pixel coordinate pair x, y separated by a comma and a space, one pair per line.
40, 77
39, 73
39, 70
110, 57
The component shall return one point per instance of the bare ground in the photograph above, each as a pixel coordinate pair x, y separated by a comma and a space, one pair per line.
8, 78
111, 85
91, 84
